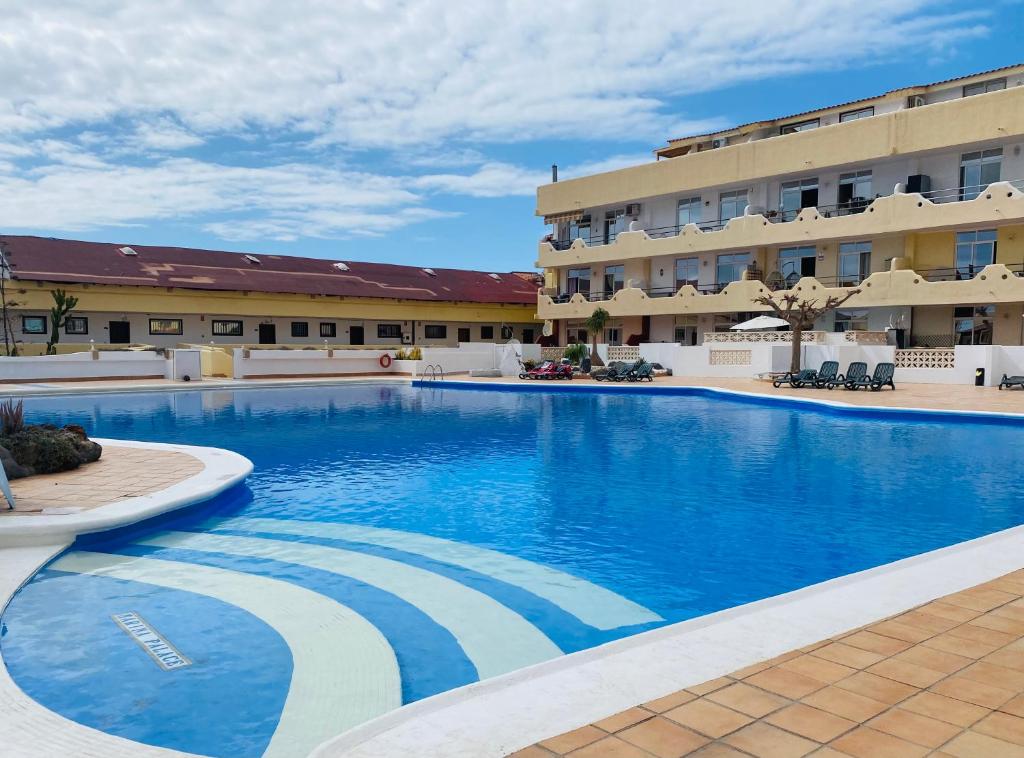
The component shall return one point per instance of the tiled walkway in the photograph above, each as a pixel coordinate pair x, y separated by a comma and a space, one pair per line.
121, 472
944, 679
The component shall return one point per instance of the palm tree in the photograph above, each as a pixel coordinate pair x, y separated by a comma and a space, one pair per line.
595, 325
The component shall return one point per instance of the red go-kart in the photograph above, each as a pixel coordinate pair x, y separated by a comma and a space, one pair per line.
549, 370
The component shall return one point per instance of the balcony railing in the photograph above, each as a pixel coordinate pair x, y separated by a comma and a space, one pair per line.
780, 216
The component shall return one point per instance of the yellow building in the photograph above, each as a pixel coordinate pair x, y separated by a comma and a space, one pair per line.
169, 296
915, 197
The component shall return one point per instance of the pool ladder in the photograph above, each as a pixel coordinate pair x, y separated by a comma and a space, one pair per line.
433, 371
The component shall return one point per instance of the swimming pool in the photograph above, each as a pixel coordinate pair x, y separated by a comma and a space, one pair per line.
395, 542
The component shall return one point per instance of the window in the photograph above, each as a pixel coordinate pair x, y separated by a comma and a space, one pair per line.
33, 324
797, 262
486, 332
614, 222
732, 204
435, 331
507, 333
799, 126
576, 334
165, 326
300, 328
854, 263
328, 329
578, 280
796, 195
688, 211
730, 267
848, 321
464, 334
389, 331
613, 336
527, 336
685, 330
854, 191
76, 325
686, 271
972, 324
980, 88
857, 114
227, 328
974, 251
580, 229
614, 279
978, 170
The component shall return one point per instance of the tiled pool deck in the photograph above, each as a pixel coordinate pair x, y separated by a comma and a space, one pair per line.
120, 473
944, 679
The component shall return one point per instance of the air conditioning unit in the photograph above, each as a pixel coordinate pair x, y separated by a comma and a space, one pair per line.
406, 339
633, 209
915, 101
717, 143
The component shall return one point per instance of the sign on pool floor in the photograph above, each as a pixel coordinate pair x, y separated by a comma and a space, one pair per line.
149, 639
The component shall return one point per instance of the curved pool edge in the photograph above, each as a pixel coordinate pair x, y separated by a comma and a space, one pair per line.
495, 717
25, 548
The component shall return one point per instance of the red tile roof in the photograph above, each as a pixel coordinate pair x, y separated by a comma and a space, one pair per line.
72, 261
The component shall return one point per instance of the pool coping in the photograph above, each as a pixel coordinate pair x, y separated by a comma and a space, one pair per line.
222, 469
28, 543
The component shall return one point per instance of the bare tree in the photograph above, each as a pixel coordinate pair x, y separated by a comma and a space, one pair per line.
801, 315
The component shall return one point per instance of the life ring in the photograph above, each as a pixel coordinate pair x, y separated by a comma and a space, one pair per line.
385, 361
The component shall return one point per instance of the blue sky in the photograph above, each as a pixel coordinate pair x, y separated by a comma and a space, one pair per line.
415, 131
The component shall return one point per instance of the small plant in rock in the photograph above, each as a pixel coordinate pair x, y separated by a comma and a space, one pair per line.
415, 354
401, 355
576, 352
12, 416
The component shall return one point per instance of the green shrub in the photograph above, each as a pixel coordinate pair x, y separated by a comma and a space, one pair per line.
577, 352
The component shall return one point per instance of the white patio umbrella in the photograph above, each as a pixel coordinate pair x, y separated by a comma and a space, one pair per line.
759, 322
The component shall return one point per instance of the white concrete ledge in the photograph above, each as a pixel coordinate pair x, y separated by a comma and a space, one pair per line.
507, 713
221, 469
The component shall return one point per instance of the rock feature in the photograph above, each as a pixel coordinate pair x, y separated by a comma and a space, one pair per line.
46, 449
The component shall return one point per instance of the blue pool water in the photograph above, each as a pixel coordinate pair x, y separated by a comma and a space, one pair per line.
458, 534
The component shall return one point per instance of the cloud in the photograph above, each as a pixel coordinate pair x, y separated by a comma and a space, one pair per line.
414, 72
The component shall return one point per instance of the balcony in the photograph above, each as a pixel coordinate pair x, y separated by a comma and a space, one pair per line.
900, 286
899, 213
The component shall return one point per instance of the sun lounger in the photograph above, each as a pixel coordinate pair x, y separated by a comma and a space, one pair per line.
881, 378
646, 371
828, 372
803, 377
1011, 381
856, 371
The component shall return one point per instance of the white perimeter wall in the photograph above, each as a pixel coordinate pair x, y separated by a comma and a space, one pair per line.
88, 365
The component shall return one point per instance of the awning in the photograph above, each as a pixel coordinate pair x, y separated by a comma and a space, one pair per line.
558, 218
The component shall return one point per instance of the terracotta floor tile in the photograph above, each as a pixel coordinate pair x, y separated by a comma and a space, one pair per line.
1015, 706
975, 745
532, 752
848, 655
1010, 611
996, 622
714, 684
876, 687
663, 738
810, 722
718, 750
1002, 725
577, 738
908, 673
944, 708
708, 718
905, 632
621, 720
669, 702
914, 727
926, 621
876, 643
749, 700
1010, 657
746, 671
766, 741
844, 703
971, 691
786, 683
818, 668
936, 660
997, 676
979, 599
827, 752
948, 611
865, 742
963, 646
609, 747
972, 631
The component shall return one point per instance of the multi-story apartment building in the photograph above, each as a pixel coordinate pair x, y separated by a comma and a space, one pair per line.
915, 197
167, 296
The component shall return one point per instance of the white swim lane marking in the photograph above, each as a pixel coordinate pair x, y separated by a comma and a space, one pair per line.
590, 603
495, 638
344, 672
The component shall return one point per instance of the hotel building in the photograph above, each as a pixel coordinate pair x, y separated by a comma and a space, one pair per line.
169, 296
915, 197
